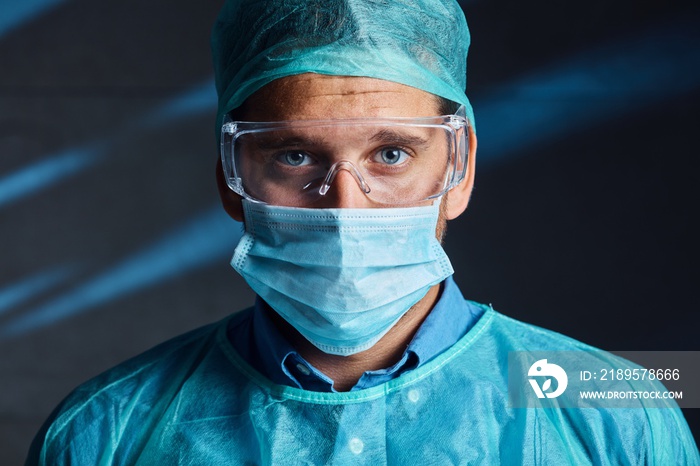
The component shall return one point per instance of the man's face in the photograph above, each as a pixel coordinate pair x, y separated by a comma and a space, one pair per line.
319, 97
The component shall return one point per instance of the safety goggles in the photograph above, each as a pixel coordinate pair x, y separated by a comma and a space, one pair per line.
394, 161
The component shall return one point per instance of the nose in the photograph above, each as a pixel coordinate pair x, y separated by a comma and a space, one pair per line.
344, 187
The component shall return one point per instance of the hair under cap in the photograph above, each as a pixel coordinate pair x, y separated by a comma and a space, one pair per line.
419, 43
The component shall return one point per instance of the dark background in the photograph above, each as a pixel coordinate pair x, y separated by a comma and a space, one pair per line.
583, 219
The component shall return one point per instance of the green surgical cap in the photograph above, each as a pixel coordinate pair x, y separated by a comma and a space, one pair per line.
419, 43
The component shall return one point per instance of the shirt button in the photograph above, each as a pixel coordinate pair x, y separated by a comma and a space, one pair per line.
414, 395
303, 369
356, 446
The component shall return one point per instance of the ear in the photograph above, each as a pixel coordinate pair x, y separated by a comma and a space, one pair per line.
230, 200
458, 197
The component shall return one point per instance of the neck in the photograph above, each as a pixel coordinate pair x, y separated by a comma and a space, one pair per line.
345, 371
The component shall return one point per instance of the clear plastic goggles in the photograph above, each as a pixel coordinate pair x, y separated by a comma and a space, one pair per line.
395, 161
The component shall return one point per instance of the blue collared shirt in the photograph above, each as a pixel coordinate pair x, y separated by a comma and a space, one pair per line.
268, 351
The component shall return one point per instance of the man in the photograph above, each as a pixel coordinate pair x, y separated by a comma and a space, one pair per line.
347, 143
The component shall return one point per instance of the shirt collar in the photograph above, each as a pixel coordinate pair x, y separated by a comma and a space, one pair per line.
448, 321
276, 358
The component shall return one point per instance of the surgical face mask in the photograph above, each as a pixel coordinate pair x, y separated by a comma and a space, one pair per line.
341, 277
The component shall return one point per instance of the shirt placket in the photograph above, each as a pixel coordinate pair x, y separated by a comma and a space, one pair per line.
361, 437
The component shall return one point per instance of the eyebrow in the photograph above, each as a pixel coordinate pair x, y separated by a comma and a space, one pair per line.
400, 138
385, 136
273, 143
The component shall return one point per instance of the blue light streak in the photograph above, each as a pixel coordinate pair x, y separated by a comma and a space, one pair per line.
45, 173
14, 14
140, 271
594, 87
25, 289
207, 238
199, 99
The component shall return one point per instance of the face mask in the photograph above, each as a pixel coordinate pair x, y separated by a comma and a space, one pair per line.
341, 277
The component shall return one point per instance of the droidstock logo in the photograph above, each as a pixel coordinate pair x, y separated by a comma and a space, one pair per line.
542, 369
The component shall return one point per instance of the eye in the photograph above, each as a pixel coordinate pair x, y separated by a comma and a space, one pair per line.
295, 158
391, 156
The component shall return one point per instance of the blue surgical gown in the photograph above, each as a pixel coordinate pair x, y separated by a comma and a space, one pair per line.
194, 401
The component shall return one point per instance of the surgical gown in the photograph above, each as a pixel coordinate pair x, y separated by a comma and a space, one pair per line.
194, 401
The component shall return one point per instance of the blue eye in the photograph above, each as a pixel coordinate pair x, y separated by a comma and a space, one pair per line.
295, 159
392, 156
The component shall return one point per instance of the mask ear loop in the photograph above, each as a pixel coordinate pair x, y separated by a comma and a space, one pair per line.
347, 166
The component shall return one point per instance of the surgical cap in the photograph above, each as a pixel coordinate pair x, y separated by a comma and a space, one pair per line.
419, 43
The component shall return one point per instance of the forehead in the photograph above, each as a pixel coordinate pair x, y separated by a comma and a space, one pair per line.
313, 96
